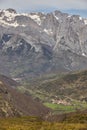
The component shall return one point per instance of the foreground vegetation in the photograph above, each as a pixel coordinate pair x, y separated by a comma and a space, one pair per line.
32, 123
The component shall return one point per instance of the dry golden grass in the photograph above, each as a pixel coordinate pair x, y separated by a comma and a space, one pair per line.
32, 123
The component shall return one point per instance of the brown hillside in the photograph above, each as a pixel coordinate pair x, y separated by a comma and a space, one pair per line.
14, 103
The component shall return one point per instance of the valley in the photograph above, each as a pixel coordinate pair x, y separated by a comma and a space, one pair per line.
43, 71
63, 93
35, 44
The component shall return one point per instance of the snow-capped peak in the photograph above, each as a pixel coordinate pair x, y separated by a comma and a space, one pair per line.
8, 14
7, 18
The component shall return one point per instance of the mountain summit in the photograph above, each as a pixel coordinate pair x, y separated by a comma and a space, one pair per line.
32, 44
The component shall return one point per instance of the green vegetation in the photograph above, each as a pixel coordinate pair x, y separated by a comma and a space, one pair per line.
32, 123
70, 88
60, 108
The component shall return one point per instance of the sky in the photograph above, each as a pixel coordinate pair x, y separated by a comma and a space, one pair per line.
68, 6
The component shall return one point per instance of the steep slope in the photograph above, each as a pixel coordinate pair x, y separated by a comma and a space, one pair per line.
32, 44
14, 103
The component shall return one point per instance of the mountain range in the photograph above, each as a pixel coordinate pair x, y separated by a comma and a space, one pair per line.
33, 44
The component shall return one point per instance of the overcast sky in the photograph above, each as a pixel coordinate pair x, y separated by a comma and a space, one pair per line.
71, 6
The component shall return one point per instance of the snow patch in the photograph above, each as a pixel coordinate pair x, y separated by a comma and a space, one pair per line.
55, 16
10, 16
69, 16
49, 31
83, 54
6, 24
23, 25
36, 18
24, 14
80, 18
3, 23
85, 21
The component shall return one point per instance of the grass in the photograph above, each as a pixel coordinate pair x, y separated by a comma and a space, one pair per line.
60, 108
32, 123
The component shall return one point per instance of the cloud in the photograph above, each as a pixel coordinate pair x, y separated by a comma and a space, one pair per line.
44, 4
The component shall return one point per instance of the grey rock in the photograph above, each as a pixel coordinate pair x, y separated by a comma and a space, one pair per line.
36, 43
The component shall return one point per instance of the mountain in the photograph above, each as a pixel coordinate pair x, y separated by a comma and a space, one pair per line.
15, 104
32, 44
64, 94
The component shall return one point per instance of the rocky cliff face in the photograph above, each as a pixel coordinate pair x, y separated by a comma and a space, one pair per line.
36, 43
